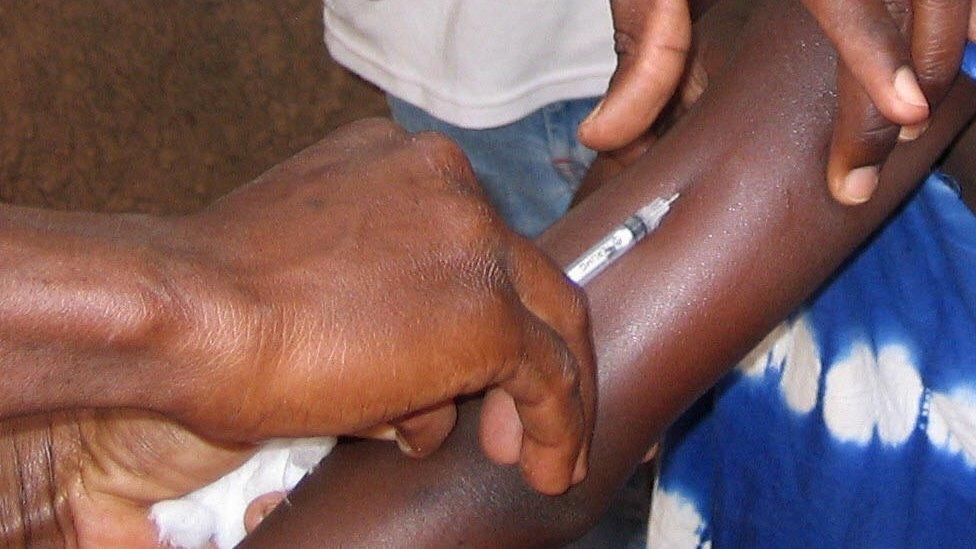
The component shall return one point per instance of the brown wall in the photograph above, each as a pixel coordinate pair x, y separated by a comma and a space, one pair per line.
126, 105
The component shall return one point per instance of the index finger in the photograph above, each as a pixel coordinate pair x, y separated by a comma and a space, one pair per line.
562, 306
938, 37
871, 44
545, 390
861, 140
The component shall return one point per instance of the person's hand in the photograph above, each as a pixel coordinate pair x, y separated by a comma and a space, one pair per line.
714, 42
898, 59
363, 283
367, 281
652, 39
87, 478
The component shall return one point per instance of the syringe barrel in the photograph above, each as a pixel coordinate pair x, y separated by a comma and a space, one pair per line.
601, 255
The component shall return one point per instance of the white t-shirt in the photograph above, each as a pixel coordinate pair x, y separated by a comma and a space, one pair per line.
475, 63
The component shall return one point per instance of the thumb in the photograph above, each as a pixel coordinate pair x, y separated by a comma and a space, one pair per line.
500, 430
261, 507
652, 40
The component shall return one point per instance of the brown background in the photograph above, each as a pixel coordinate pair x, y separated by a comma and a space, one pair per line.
160, 107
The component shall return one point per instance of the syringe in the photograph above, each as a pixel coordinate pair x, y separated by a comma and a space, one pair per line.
621, 238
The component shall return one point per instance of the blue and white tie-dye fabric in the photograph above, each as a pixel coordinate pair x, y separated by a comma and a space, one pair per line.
854, 422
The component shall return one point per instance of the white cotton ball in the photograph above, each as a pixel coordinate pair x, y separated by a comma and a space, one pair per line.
306, 453
183, 523
216, 511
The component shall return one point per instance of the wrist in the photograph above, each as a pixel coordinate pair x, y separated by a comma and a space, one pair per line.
213, 329
88, 309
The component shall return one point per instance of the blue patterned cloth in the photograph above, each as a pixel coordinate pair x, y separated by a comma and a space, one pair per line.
854, 423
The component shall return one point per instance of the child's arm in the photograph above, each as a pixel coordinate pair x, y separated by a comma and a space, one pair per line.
753, 234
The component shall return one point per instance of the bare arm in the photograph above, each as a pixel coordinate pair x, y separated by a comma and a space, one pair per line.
754, 233
86, 309
222, 319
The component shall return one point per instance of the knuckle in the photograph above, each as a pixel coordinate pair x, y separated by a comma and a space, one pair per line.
579, 309
478, 219
483, 227
473, 234
446, 164
676, 48
936, 67
439, 148
624, 43
878, 136
873, 131
661, 60
492, 273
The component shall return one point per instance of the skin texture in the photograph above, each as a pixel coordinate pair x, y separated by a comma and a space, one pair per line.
899, 58
652, 39
364, 282
706, 279
715, 39
754, 232
87, 477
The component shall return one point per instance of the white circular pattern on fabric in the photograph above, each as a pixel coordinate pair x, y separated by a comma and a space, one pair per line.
791, 349
801, 369
675, 523
865, 393
952, 424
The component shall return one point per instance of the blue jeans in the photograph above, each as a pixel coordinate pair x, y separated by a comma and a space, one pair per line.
530, 168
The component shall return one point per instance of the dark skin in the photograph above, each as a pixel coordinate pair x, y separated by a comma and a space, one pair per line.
636, 340
898, 59
363, 282
960, 162
754, 233
57, 328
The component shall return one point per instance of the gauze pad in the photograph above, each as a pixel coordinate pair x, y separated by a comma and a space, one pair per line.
215, 513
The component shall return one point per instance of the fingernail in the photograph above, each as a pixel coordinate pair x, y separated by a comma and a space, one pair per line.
405, 447
913, 132
859, 184
596, 111
907, 89
579, 471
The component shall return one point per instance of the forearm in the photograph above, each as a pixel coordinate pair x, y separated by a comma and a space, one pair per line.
84, 309
754, 233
